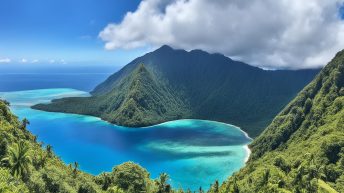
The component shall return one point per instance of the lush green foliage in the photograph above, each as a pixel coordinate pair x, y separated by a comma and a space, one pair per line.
302, 150
139, 100
176, 84
28, 167
130, 177
18, 159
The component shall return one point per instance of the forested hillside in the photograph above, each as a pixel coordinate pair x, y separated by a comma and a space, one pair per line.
170, 84
29, 166
302, 150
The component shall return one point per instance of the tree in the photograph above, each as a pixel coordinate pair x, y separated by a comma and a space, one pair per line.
235, 186
3, 146
86, 188
25, 122
5, 102
298, 176
282, 164
308, 105
162, 183
130, 177
19, 159
39, 160
216, 187
49, 149
105, 180
75, 170
265, 178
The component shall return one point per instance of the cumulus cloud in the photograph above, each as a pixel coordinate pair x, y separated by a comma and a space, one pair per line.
23, 60
5, 60
266, 33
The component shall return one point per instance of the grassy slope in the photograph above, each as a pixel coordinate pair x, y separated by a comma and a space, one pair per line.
302, 150
178, 84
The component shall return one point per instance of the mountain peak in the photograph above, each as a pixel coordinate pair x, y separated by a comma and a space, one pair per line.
165, 47
199, 51
172, 83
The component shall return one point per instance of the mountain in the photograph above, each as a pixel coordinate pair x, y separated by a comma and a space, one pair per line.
169, 84
302, 150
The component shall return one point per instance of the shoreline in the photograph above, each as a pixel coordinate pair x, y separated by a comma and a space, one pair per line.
166, 122
138, 127
248, 153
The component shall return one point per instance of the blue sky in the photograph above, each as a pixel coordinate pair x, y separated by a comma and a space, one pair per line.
61, 31
289, 34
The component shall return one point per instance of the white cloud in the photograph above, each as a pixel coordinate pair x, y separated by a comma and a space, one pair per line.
51, 61
5, 60
23, 60
266, 33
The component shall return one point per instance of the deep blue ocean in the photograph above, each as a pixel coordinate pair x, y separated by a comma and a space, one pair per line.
21, 78
193, 152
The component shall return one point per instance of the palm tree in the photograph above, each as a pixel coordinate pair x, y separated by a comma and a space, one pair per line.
235, 186
162, 183
75, 170
216, 186
70, 167
42, 160
34, 138
49, 149
25, 122
265, 178
6, 102
19, 159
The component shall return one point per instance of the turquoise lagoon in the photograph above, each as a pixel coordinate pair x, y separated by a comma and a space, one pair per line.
193, 152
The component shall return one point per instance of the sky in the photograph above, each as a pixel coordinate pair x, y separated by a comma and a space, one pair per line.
284, 34
60, 32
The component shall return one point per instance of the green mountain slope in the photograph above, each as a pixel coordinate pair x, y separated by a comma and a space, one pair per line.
179, 84
138, 100
26, 166
302, 150
38, 170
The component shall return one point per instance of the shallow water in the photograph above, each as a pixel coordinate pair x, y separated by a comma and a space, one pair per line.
193, 152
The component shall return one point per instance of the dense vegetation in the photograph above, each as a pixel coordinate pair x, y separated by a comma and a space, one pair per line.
27, 166
302, 150
171, 84
131, 104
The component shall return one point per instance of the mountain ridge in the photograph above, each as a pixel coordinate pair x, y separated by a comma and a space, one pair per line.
302, 150
198, 85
